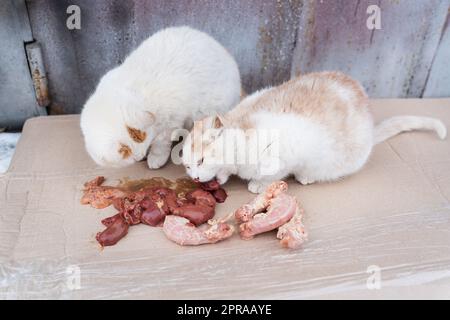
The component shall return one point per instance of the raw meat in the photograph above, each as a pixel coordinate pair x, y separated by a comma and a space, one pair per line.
270, 210
182, 232
113, 233
99, 196
151, 205
261, 202
110, 220
215, 189
292, 234
201, 210
280, 210
220, 195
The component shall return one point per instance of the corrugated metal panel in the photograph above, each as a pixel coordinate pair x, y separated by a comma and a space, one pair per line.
17, 97
391, 62
262, 35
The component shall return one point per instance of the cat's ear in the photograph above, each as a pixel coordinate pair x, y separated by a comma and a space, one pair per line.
147, 119
137, 127
219, 122
137, 122
134, 112
139, 118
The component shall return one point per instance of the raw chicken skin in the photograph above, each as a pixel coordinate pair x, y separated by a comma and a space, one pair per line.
281, 209
292, 235
261, 202
99, 196
183, 232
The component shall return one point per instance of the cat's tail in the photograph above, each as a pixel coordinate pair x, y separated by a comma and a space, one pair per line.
395, 125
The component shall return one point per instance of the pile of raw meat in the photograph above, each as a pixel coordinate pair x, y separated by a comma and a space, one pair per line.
151, 206
188, 219
270, 210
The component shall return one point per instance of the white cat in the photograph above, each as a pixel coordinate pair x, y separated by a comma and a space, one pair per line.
325, 132
174, 77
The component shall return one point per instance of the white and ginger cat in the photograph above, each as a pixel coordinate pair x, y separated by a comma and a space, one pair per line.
325, 132
174, 77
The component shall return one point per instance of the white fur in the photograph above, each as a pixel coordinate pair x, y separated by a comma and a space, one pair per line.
310, 150
177, 75
393, 126
305, 149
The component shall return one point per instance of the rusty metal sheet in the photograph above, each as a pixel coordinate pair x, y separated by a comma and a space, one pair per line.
270, 39
17, 98
38, 74
260, 34
391, 62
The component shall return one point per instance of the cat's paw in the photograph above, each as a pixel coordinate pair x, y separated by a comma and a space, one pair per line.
156, 161
304, 181
256, 186
222, 178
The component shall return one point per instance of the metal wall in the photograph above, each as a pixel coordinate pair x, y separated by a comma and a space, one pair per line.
17, 95
270, 39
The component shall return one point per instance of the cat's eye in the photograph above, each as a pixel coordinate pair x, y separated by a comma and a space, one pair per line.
199, 162
188, 167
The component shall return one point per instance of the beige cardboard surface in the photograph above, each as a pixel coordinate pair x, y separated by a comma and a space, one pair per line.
394, 214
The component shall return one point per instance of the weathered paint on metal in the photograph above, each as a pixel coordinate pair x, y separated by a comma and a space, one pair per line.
38, 74
271, 40
20, 10
438, 84
391, 62
260, 34
17, 99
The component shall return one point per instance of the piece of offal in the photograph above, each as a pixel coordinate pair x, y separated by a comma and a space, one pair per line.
280, 210
292, 235
181, 231
260, 202
270, 210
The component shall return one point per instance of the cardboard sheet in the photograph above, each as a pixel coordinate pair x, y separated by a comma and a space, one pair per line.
393, 215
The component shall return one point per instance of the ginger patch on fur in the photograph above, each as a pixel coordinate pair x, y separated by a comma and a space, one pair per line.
125, 151
136, 134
